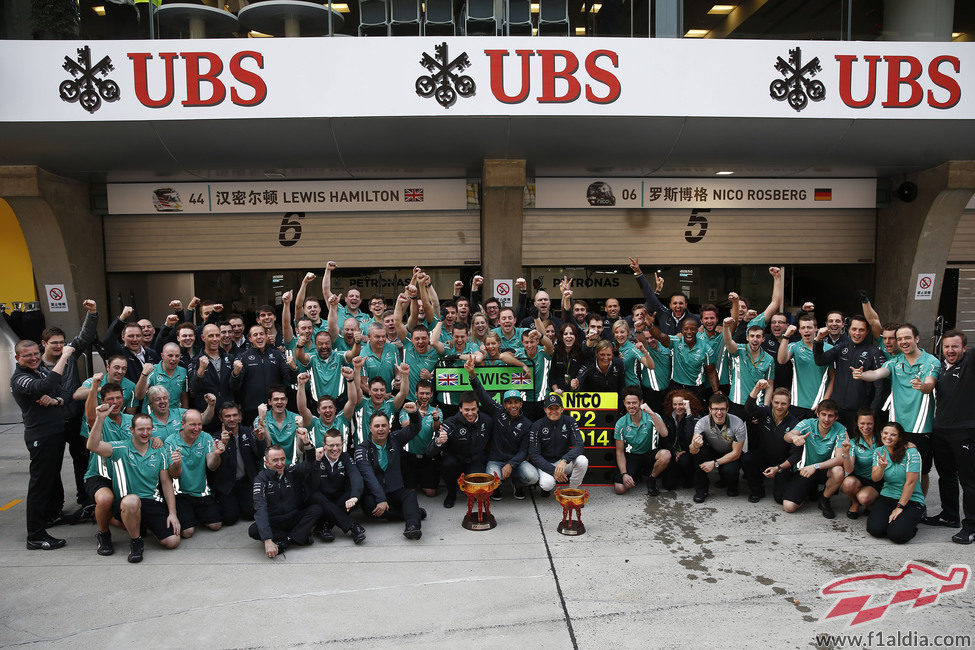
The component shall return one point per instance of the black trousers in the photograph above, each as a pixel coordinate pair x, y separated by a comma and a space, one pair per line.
728, 471
77, 447
902, 529
679, 472
402, 505
333, 510
420, 471
753, 463
954, 456
293, 527
451, 467
238, 504
45, 493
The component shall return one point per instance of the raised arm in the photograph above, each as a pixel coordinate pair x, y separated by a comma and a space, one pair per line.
287, 331
435, 341
873, 318
301, 399
333, 314
652, 300
402, 300
327, 281
785, 353
353, 390
300, 297
404, 386
91, 401
778, 293
95, 443
726, 331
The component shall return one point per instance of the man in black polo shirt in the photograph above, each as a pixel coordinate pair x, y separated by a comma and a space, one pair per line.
954, 435
132, 345
336, 485
39, 394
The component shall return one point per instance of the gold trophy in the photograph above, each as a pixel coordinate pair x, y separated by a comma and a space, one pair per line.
572, 499
478, 488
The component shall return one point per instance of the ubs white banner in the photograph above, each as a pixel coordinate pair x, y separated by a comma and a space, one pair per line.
424, 76
705, 193
289, 196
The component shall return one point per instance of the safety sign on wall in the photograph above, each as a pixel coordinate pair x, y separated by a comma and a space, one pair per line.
503, 290
57, 300
924, 289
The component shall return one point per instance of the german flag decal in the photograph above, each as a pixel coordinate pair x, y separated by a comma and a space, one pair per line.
823, 194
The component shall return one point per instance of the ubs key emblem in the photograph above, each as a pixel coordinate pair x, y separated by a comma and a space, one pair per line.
443, 82
796, 87
86, 87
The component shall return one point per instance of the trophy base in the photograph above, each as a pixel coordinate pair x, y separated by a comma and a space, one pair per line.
572, 528
471, 522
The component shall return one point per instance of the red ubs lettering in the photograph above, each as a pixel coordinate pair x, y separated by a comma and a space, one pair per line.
558, 65
901, 71
206, 83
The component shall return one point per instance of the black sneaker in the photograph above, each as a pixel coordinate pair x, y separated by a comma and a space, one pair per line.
105, 546
756, 496
544, 493
283, 545
61, 520
941, 519
826, 507
652, 490
699, 497
852, 514
733, 491
963, 536
412, 532
519, 492
358, 533
136, 548
423, 514
84, 514
496, 495
325, 534
44, 542
450, 499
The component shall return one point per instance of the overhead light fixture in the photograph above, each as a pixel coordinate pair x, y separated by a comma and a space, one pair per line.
100, 10
955, 35
596, 6
534, 31
534, 6
723, 173
343, 7
696, 33
721, 10
580, 31
255, 34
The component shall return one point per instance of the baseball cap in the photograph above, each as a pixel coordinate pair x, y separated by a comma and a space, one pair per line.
553, 400
511, 394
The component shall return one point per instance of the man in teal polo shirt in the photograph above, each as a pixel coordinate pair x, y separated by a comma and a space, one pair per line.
380, 357
913, 373
821, 439
422, 348
142, 487
749, 363
692, 358
810, 382
328, 416
510, 335
194, 502
326, 366
377, 399
638, 453
115, 368
168, 374
116, 427
279, 424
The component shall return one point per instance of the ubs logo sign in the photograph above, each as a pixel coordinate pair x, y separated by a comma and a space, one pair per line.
444, 83
797, 87
86, 87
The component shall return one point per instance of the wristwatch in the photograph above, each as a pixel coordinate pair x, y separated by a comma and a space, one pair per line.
901, 506
716, 464
816, 466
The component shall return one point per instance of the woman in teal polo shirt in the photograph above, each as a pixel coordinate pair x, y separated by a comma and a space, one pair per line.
900, 506
858, 457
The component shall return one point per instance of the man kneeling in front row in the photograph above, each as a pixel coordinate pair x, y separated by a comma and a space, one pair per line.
555, 448
282, 514
141, 482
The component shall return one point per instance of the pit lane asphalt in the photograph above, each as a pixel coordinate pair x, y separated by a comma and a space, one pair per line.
658, 572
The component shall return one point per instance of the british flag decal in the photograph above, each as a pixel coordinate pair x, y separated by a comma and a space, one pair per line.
521, 379
448, 379
413, 195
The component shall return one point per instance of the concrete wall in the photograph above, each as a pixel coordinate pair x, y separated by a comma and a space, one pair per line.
63, 236
914, 237
502, 217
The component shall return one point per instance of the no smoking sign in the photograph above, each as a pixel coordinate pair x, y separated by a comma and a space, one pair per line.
502, 291
56, 300
924, 289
